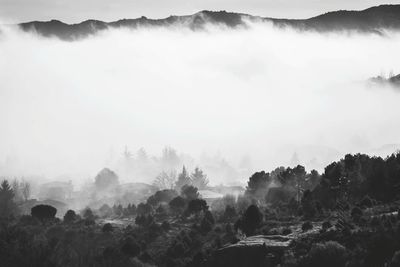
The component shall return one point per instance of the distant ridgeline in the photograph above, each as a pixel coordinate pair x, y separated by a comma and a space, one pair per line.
371, 20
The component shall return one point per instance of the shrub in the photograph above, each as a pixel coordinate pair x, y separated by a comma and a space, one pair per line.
306, 226
107, 228
70, 216
43, 212
329, 254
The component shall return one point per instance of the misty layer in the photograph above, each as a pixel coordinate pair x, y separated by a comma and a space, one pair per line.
258, 94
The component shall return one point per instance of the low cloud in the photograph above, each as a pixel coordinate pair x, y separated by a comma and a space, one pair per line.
70, 108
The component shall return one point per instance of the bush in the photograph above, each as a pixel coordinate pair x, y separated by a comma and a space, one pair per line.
107, 228
70, 216
329, 254
306, 226
43, 212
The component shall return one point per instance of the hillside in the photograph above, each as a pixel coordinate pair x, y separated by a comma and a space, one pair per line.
371, 20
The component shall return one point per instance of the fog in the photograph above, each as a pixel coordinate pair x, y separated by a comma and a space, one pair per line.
259, 95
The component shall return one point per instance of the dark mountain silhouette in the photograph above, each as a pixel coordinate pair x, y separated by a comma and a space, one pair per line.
371, 20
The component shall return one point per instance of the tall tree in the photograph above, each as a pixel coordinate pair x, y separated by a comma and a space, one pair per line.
199, 179
25, 190
7, 205
183, 179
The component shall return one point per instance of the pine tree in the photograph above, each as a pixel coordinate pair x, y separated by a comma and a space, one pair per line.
199, 179
7, 205
183, 179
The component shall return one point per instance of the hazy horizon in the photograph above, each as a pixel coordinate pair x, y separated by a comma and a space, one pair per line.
70, 108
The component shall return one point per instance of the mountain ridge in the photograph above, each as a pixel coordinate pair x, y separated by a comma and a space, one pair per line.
371, 20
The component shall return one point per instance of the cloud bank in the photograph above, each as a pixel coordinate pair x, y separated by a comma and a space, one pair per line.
70, 108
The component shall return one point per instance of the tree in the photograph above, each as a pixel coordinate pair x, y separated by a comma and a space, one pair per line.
251, 220
196, 205
43, 212
7, 205
162, 196
144, 209
183, 179
165, 180
105, 211
199, 179
308, 205
177, 204
230, 213
25, 190
169, 158
144, 220
15, 185
70, 216
258, 184
189, 192
106, 179
88, 214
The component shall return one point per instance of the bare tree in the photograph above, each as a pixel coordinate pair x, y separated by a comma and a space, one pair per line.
165, 180
25, 188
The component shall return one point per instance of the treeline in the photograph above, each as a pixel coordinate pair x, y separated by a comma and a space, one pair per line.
355, 198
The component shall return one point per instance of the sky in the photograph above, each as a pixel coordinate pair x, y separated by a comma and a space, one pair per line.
72, 11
